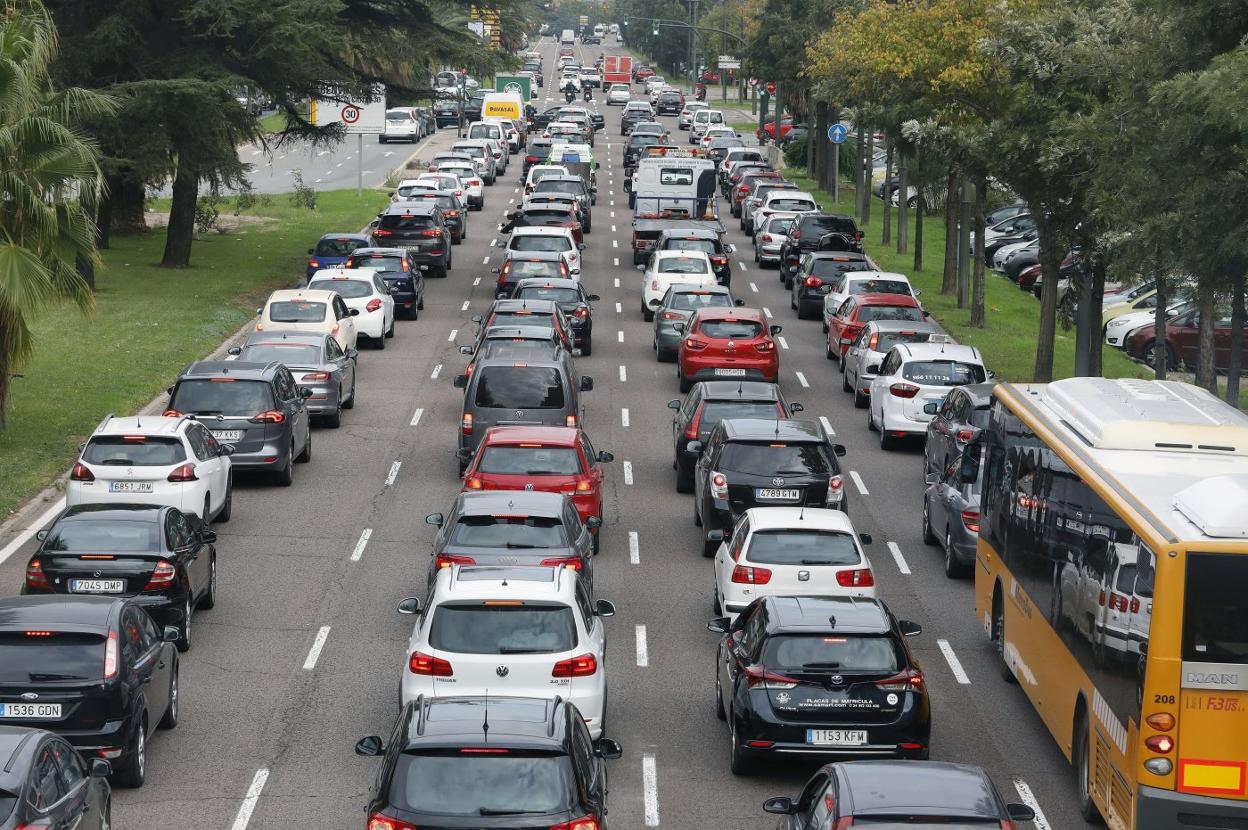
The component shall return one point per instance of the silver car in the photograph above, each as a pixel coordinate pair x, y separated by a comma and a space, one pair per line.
675, 309
951, 511
770, 236
482, 157
874, 341
316, 362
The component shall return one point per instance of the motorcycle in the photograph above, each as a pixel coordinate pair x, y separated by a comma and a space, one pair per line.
589, 94
569, 96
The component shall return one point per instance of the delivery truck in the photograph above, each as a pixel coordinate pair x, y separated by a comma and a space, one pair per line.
617, 69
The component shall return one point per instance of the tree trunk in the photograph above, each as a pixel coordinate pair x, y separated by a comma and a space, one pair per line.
860, 171
903, 204
887, 235
920, 208
866, 176
104, 222
181, 230
949, 280
1096, 348
1161, 364
1236, 361
5, 368
978, 317
1206, 367
1051, 254
126, 205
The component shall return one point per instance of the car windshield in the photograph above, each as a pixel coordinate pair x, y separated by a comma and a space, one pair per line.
874, 286
109, 535
777, 458
57, 655
531, 461
134, 451
291, 354
297, 311
386, 262
889, 312
348, 289
693, 300
850, 653
682, 265
519, 387
338, 246
558, 295
706, 246
802, 547
503, 629
222, 396
459, 784
942, 372
535, 268
730, 329
508, 532
525, 242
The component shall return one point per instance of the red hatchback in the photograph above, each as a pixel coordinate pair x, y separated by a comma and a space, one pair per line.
725, 343
860, 309
546, 459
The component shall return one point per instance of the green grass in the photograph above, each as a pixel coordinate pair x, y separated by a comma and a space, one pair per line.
1008, 341
744, 126
149, 323
274, 122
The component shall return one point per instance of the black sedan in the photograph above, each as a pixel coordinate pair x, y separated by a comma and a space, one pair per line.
152, 553
62, 790
573, 301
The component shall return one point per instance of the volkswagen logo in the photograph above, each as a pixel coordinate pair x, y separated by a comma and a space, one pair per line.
779, 482
502, 671
29, 696
529, 486
519, 413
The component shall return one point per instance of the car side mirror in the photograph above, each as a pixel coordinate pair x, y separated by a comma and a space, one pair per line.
587, 383
604, 608
235, 350
909, 628
410, 606
593, 298
795, 408
719, 625
608, 749
355, 312
226, 449
100, 768
435, 519
730, 248
476, 318
931, 478
208, 537
639, 268
577, 352
41, 535
370, 746
460, 382
838, 450
679, 328
465, 349
674, 403
693, 448
605, 457
873, 369
865, 538
930, 408
780, 805
170, 634
1020, 812
776, 330
305, 393
309, 252
593, 523
580, 246
915, 292
353, 353
715, 536
738, 302
259, 311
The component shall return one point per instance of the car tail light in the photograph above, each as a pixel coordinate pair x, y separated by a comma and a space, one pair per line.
904, 682
36, 579
903, 390
1135, 605
750, 575
186, 472
585, 823
581, 311
570, 421
447, 213
373, 305
694, 345
719, 486
312, 263
171, 413
162, 576
81, 473
446, 560
856, 578
427, 664
691, 431
531, 159
583, 665
970, 520
110, 656
965, 435
812, 282
382, 232
765, 346
312, 377
797, 235
270, 417
334, 331
759, 677
465, 426
654, 285
671, 315
765, 237
474, 483
573, 562
836, 489
742, 190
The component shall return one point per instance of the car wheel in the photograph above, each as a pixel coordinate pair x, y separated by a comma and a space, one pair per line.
206, 516
420, 304
333, 420
184, 634
929, 538
587, 348
170, 718
227, 509
870, 420
209, 600
390, 331
349, 403
738, 762
886, 442
953, 568
697, 515
286, 475
647, 315
133, 773
860, 400
306, 456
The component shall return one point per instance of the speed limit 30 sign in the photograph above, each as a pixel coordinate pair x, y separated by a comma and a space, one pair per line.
350, 114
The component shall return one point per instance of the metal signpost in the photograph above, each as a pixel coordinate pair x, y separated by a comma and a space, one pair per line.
358, 118
836, 134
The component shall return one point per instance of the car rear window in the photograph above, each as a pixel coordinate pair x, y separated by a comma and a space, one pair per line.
513, 782
382, 262
730, 329
407, 221
503, 629
532, 461
394, 117
888, 339
538, 268
558, 295
879, 287
780, 227
212, 397
802, 547
792, 204
777, 458
715, 411
556, 186
521, 318
134, 450
889, 312
297, 311
291, 354
407, 191
485, 131
513, 532
848, 653
50, 656
520, 387
348, 289
548, 213
942, 372
693, 300
553, 244
676, 243
113, 536
682, 265
338, 246
815, 226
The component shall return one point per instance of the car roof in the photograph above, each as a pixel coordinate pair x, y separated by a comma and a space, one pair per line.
731, 390
541, 230
744, 313
359, 237
515, 332
139, 425
682, 255
934, 351
796, 518
233, 368
511, 502
547, 436
903, 325
523, 304
862, 615
694, 288
546, 282
863, 275
411, 208
780, 429
890, 787
14, 740
121, 512
507, 582
378, 251
56, 611
318, 296
536, 256
342, 275
459, 721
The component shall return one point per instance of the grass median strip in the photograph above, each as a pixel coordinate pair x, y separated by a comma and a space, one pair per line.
149, 323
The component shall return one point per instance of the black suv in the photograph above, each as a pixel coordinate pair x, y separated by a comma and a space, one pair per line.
422, 229
95, 670
510, 762
446, 113
669, 103
821, 676
755, 462
570, 186
816, 274
810, 231
472, 107
256, 407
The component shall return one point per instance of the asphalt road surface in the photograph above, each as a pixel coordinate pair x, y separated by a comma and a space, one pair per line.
303, 653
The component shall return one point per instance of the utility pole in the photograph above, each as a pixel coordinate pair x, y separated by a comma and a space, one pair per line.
693, 45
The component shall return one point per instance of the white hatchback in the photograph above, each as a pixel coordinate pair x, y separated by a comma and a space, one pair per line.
912, 383
667, 268
702, 121
790, 551
549, 239
473, 185
512, 632
619, 94
152, 460
362, 289
303, 310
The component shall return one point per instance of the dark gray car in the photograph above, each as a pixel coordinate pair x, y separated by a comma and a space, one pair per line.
513, 527
573, 186
951, 512
675, 309
316, 362
959, 418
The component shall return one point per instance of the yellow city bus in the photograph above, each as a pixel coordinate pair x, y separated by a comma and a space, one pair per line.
1112, 573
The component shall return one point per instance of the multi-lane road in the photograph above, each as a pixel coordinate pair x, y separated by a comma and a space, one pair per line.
303, 652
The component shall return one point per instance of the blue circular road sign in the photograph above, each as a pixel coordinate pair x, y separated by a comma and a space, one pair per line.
837, 133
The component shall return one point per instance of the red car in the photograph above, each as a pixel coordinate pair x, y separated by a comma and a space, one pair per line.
1183, 340
860, 309
546, 459
642, 72
769, 128
1027, 277
722, 343
742, 188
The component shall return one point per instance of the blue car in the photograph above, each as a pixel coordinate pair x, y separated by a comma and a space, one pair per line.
332, 250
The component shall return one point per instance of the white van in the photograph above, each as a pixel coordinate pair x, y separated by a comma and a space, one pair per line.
502, 105
567, 38
702, 119
672, 185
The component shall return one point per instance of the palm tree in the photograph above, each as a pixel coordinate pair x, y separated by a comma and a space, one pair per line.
48, 168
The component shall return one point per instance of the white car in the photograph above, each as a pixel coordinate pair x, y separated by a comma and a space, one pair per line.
770, 234
786, 202
152, 460
667, 268
512, 134
685, 119
546, 238
449, 156
401, 125
702, 121
619, 94
303, 310
482, 158
912, 382
712, 133
409, 186
540, 171
845, 283
1120, 328
864, 355
441, 180
473, 185
565, 131
362, 289
511, 632
569, 76
790, 551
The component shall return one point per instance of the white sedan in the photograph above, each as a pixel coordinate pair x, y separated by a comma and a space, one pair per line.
1120, 328
619, 94
363, 290
790, 551
667, 268
912, 383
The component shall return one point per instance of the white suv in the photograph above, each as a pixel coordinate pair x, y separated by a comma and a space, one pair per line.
912, 382
512, 632
153, 460
362, 289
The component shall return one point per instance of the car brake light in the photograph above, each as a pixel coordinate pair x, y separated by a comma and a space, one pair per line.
270, 417
373, 305
171, 413
904, 682
465, 426
970, 518
765, 346
585, 823
750, 575
35, 577
582, 665
856, 578
162, 576
671, 315
871, 343
572, 562
836, 486
812, 281
312, 263
186, 472
427, 664
903, 390
81, 473
1135, 605
445, 560
719, 486
757, 676
694, 345
965, 435
311, 377
570, 420
766, 237
110, 656
691, 431
797, 235
382, 232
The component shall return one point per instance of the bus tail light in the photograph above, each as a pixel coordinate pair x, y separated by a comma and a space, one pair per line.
1162, 744
1161, 721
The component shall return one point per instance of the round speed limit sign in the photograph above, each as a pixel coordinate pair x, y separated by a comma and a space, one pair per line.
350, 114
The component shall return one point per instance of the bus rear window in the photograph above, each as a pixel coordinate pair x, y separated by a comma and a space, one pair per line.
1215, 609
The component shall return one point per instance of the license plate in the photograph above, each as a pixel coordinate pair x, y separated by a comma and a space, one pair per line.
227, 434
130, 487
734, 373
778, 495
30, 711
836, 737
97, 586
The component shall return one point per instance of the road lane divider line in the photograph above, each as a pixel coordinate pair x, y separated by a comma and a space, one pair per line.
612, 214
416, 417
955, 665
754, 288
634, 548
318, 644
477, 281
784, 344
617, 265
802, 380
450, 338
767, 312
394, 473
1040, 822
862, 488
615, 243
827, 425
619, 309
613, 229
494, 243
902, 565
619, 335
623, 374
243, 817
464, 307
628, 473
363, 543
741, 265
485, 261
437, 370
643, 652
624, 416
650, 788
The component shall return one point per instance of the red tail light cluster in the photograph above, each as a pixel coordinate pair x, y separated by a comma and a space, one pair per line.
903, 390
694, 345
162, 576
373, 305
904, 682
428, 665
857, 578
465, 426
314, 377
970, 520
270, 417
812, 282
382, 232
445, 560
750, 575
36, 579
691, 431
765, 346
583, 665
81, 473
585, 823
573, 562
759, 676
186, 472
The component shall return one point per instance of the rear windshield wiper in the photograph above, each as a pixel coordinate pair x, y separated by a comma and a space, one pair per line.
522, 650
521, 546
820, 562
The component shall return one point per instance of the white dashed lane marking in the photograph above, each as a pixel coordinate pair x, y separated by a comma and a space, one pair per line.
784, 344
643, 652
862, 488
243, 818
623, 374
464, 307
394, 472
827, 425
802, 380
364, 537
437, 370
485, 261
1040, 822
624, 416
619, 335
416, 417
955, 665
754, 288
617, 265
898, 558
767, 312
628, 472
318, 644
650, 787
477, 281
619, 309
450, 338
634, 549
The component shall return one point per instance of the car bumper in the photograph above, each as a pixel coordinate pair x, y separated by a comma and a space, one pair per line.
907, 736
894, 422
412, 135
107, 742
324, 397
187, 496
810, 298
268, 457
696, 372
769, 253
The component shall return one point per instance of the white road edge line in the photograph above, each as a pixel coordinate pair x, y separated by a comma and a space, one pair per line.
802, 380
955, 666
624, 416
35, 527
1029, 798
394, 472
900, 560
650, 786
634, 549
862, 488
314, 653
248, 806
628, 472
360, 545
767, 311
485, 261
643, 652
827, 425
437, 370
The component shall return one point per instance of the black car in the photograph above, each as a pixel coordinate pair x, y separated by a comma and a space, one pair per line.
401, 272
711, 401
446, 113
95, 670
570, 186
635, 148
573, 301
472, 107
755, 462
422, 230
542, 120
630, 118
911, 794
810, 230
816, 274
46, 785
708, 241
819, 676
958, 419
156, 555
256, 407
501, 762
669, 102
537, 264
454, 211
